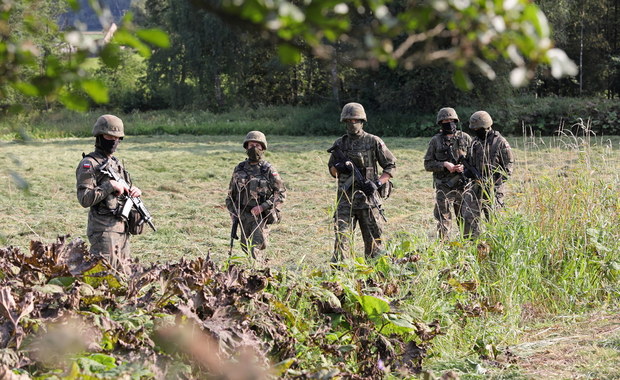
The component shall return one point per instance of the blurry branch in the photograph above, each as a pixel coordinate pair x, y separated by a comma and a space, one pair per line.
406, 34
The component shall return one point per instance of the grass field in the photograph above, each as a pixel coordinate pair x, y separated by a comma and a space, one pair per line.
553, 250
185, 179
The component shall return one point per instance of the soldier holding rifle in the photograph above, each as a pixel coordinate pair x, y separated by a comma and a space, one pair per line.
104, 185
255, 195
354, 158
444, 158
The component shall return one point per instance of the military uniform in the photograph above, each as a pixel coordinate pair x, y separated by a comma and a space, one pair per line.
255, 184
448, 186
365, 151
107, 232
491, 156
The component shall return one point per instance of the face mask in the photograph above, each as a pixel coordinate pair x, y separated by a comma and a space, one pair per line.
481, 133
255, 154
448, 128
354, 129
108, 146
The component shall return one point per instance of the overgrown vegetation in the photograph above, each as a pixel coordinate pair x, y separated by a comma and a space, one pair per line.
541, 117
423, 306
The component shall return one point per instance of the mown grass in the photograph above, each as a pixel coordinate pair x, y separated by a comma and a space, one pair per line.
553, 249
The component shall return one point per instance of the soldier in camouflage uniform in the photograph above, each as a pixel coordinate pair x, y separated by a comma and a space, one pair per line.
442, 158
491, 159
255, 195
107, 231
365, 151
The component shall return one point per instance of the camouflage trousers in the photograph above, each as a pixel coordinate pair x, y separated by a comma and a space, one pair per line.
371, 226
444, 198
479, 200
254, 233
113, 246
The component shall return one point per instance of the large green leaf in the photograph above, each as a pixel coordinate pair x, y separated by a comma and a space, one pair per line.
96, 90
156, 37
374, 306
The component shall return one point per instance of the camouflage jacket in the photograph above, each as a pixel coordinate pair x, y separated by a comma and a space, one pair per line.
95, 191
365, 152
255, 185
442, 148
492, 157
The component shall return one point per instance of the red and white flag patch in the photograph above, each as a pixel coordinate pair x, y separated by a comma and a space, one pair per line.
86, 165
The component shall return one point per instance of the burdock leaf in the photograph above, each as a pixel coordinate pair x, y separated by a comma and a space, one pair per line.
7, 303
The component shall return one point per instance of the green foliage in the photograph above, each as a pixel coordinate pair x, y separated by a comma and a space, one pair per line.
39, 60
401, 33
540, 116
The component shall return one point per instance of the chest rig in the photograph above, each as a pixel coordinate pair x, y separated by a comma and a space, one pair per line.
253, 183
361, 152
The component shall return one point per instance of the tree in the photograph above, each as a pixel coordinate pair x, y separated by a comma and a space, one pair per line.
33, 62
406, 33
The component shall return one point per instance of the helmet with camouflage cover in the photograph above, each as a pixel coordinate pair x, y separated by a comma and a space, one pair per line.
353, 111
447, 113
480, 119
256, 136
109, 125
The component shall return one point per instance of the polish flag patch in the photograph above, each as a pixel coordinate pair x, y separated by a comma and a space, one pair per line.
86, 165
274, 173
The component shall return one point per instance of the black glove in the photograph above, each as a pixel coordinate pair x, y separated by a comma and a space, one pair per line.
369, 187
342, 167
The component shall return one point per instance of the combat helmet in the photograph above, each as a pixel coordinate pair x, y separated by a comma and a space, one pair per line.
256, 136
480, 119
109, 125
353, 111
447, 113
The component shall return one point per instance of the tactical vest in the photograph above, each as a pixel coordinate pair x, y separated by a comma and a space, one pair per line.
112, 204
450, 149
254, 187
362, 153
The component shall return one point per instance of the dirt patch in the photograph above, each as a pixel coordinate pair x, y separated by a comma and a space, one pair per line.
574, 348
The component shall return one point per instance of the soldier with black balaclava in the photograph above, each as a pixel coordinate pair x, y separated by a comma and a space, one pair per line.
491, 161
107, 230
255, 196
443, 158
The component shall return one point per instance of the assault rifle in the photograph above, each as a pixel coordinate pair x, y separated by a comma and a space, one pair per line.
132, 202
233, 234
367, 186
470, 170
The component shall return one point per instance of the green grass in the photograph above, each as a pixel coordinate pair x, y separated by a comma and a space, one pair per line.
552, 250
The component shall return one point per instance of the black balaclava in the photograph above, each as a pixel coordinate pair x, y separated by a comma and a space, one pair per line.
448, 127
481, 133
354, 129
255, 154
107, 146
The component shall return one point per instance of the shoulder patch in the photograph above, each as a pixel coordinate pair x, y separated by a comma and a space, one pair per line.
86, 165
274, 173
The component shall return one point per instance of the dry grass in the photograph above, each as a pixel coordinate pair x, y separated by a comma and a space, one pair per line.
185, 178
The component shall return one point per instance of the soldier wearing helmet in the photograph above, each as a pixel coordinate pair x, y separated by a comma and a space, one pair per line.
491, 161
107, 231
443, 158
360, 202
255, 195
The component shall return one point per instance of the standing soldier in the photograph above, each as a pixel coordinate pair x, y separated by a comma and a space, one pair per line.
358, 152
491, 159
108, 231
443, 159
255, 195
